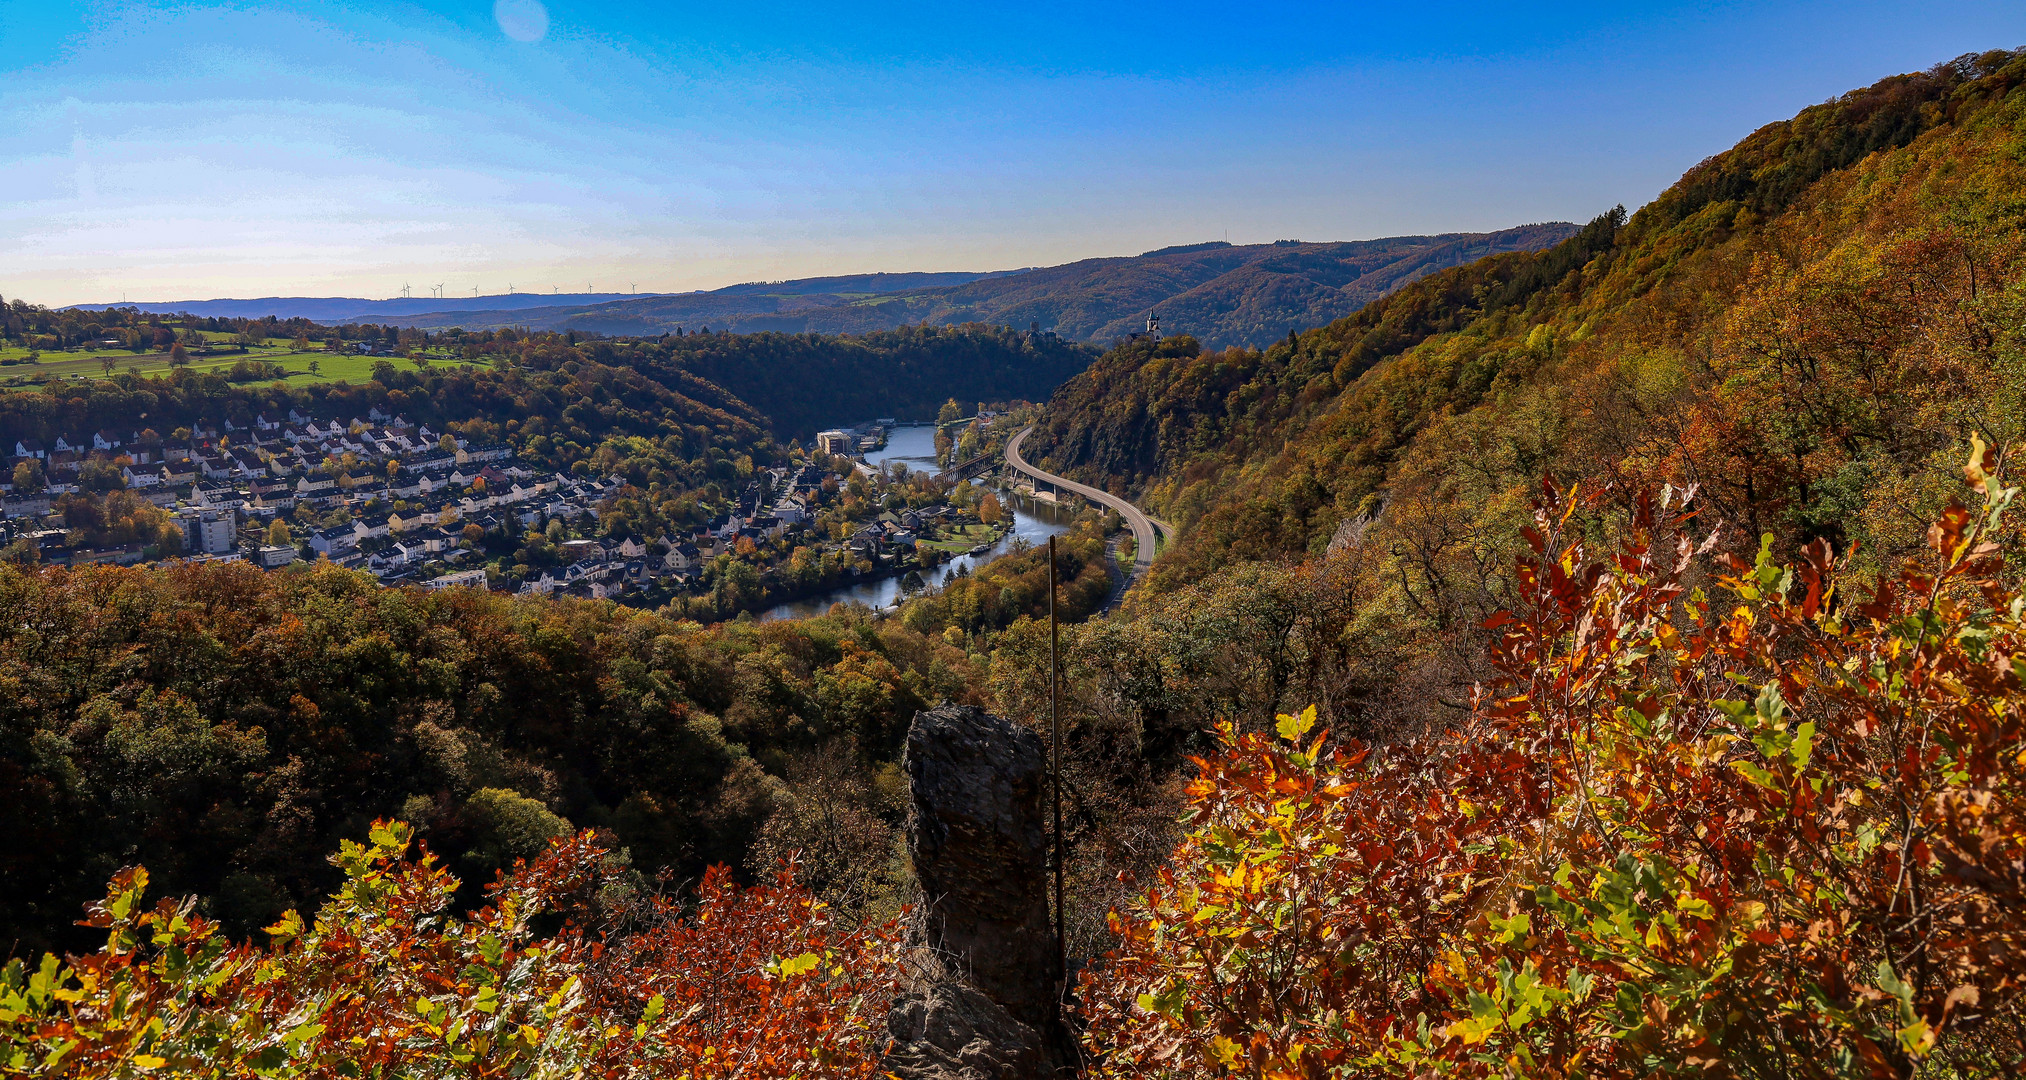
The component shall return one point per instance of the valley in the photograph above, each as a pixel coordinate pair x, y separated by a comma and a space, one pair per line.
1569, 650
1025, 524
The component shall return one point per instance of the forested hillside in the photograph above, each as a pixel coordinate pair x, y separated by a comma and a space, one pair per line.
1807, 325
1223, 294
227, 727
728, 390
806, 382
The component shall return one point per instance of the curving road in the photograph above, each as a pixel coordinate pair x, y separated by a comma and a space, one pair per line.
1141, 525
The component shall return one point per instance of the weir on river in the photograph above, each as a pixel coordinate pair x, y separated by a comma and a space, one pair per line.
1033, 521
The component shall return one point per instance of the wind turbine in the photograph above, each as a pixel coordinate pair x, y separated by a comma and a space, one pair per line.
439, 290
405, 292
474, 290
632, 287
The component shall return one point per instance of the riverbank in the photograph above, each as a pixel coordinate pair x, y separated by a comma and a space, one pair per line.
1029, 521
1031, 524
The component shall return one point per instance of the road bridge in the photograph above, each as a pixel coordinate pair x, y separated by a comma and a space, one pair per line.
1141, 525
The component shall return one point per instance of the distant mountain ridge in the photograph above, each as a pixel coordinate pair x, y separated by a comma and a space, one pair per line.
1220, 293
338, 309
868, 284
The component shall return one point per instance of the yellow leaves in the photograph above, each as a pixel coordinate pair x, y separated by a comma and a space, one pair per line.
1474, 1030
1293, 728
1656, 935
1756, 775
1749, 914
1224, 1052
1917, 1038
1982, 459
565, 992
288, 927
391, 835
1712, 749
800, 965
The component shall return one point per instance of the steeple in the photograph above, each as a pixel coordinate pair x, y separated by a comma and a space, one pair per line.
1153, 325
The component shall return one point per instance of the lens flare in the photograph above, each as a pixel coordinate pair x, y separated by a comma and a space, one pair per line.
521, 20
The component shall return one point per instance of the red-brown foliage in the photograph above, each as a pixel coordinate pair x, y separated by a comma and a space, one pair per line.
1763, 830
752, 982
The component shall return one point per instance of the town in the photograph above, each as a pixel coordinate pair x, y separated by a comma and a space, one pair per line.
414, 506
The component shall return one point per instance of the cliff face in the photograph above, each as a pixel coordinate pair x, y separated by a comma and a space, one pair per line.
979, 850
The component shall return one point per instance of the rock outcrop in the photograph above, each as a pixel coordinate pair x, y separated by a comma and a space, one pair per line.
948, 1031
980, 853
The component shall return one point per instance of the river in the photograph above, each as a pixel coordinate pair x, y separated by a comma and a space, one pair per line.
915, 447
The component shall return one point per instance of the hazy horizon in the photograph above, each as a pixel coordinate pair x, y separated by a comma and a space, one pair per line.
205, 150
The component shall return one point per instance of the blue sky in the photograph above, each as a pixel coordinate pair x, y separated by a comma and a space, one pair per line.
180, 151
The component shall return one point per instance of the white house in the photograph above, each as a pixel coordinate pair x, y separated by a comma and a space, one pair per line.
684, 556
332, 543
470, 578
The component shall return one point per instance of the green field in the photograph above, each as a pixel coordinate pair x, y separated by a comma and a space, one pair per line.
90, 364
961, 539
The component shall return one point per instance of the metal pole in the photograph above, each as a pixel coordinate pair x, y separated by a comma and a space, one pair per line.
1055, 744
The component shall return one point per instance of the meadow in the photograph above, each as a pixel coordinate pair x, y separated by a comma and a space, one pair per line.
962, 538
90, 363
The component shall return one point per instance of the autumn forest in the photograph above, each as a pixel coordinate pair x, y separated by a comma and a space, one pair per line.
1600, 660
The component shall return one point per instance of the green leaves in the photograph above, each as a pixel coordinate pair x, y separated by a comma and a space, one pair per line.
1167, 1002
1780, 742
390, 836
1516, 998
